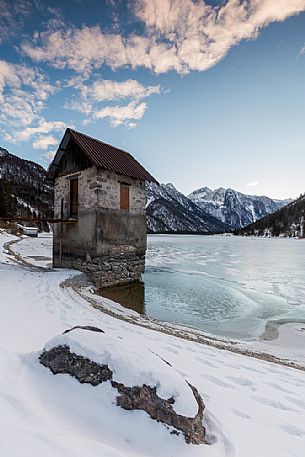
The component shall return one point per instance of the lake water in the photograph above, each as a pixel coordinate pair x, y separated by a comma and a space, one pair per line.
229, 286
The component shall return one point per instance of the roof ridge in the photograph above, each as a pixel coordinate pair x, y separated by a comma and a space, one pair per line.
99, 141
103, 155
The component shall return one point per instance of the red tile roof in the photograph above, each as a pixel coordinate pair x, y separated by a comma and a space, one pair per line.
108, 157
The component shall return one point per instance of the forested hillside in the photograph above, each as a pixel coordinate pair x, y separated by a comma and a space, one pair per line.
23, 189
288, 221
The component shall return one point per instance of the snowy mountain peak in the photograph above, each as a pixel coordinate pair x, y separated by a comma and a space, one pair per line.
234, 208
170, 186
168, 210
202, 191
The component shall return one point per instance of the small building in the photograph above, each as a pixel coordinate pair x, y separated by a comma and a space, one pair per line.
100, 192
29, 231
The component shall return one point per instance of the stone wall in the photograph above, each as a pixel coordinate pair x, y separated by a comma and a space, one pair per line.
112, 271
108, 192
99, 189
87, 197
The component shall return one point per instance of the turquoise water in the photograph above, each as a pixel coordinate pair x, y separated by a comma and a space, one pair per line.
229, 286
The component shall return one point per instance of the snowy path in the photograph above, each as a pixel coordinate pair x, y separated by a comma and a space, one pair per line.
252, 407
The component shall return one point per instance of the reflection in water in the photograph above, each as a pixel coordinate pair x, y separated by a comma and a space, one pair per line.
131, 296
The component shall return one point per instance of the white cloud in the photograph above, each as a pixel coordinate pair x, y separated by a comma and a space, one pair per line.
253, 184
180, 35
92, 96
115, 90
119, 115
43, 142
204, 34
88, 48
43, 127
131, 125
23, 94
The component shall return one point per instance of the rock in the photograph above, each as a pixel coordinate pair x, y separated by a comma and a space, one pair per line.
60, 360
125, 362
146, 399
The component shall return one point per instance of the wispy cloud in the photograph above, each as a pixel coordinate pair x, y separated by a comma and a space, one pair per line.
253, 184
302, 51
91, 98
115, 90
43, 142
43, 127
119, 115
12, 16
180, 35
23, 94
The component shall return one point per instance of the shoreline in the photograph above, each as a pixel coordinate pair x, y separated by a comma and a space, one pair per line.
259, 349
272, 328
119, 312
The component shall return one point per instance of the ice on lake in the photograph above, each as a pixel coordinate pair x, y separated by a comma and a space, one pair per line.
225, 285
230, 286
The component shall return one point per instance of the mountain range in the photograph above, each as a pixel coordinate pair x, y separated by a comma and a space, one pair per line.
233, 208
24, 191
169, 211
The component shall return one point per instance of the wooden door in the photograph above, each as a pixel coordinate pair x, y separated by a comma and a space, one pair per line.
124, 197
73, 198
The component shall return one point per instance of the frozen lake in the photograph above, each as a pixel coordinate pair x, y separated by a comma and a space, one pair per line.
230, 286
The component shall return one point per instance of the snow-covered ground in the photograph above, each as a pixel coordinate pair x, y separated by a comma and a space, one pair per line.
252, 407
27, 249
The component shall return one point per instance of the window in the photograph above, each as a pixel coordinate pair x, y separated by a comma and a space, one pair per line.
124, 196
73, 198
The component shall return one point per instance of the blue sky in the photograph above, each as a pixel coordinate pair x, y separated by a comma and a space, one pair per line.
202, 93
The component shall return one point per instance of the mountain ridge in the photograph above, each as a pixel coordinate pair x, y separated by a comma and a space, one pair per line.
169, 211
24, 191
233, 207
288, 221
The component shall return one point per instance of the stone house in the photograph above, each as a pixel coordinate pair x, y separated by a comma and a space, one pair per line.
100, 195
